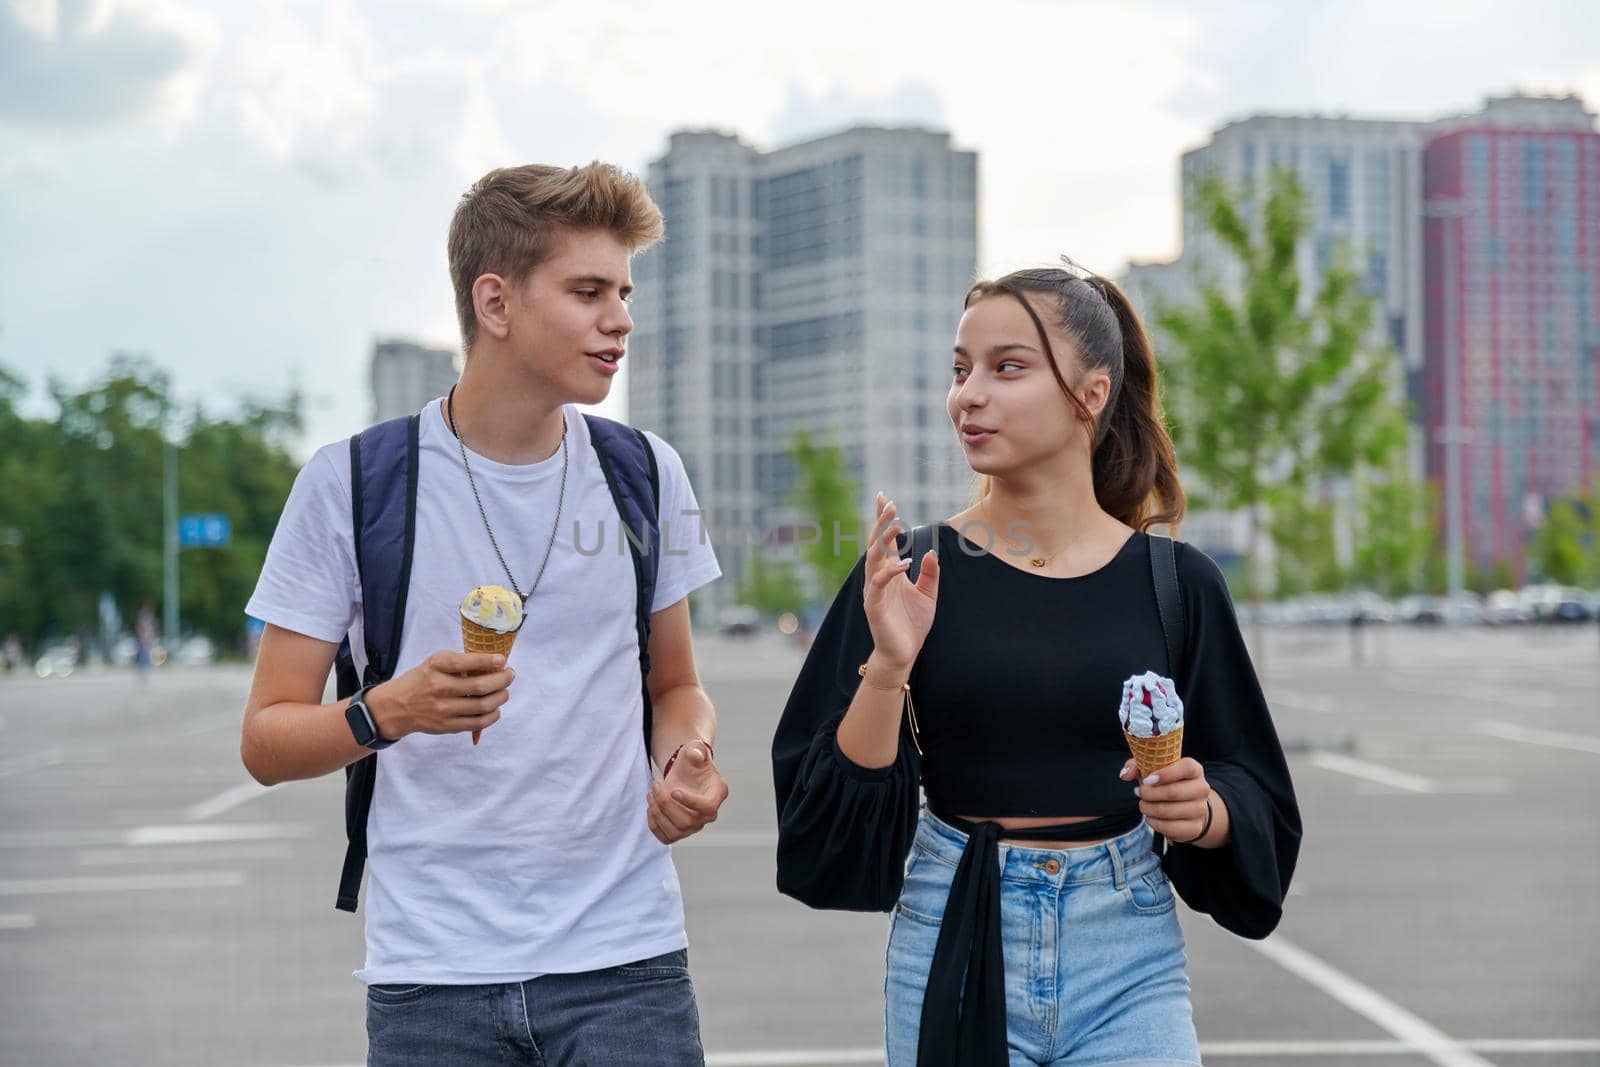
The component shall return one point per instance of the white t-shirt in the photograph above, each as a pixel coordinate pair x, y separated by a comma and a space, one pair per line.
530, 853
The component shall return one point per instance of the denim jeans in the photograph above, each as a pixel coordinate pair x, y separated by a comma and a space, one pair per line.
638, 1013
1093, 953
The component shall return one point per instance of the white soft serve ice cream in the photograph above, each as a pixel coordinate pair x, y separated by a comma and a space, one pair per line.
1150, 705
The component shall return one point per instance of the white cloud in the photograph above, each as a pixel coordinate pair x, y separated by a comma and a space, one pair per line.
1066, 104
320, 148
85, 63
300, 84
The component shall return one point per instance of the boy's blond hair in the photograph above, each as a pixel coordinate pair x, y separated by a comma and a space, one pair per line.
513, 218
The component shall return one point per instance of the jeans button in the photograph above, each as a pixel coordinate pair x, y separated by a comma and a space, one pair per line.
1052, 866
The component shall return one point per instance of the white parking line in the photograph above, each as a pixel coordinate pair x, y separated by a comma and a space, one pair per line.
25, 887
179, 854
730, 839
1373, 772
58, 838
203, 835
1510, 1046
225, 801
1549, 738
794, 1058
1305, 702
34, 762
1418, 1036
1500, 698
209, 723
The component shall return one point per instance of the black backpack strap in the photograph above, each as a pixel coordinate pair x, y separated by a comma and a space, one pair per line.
1169, 606
923, 539
383, 516
1169, 600
920, 544
629, 465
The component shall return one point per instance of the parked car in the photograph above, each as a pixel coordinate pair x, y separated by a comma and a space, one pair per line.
1573, 606
1367, 607
1503, 607
1464, 609
1541, 601
195, 651
741, 620
58, 659
1423, 610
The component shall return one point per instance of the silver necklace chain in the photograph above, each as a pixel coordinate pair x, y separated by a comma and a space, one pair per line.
450, 409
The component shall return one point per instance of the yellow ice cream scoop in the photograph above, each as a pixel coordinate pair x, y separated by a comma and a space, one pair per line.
492, 607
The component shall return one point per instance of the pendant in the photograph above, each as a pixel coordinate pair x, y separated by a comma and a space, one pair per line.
1038, 562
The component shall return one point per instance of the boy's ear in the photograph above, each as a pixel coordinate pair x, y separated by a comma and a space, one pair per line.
489, 295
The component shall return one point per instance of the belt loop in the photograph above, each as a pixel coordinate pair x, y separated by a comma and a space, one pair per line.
1119, 877
1139, 841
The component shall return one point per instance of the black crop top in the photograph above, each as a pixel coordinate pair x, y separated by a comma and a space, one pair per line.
1018, 683
1016, 692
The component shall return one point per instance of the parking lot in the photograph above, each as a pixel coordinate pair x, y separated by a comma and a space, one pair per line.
159, 908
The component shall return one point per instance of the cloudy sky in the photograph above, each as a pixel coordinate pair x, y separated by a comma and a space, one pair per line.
251, 192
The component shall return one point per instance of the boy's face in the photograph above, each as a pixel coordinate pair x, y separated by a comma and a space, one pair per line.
569, 319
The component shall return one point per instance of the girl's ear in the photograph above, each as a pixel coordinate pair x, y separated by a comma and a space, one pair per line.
1096, 388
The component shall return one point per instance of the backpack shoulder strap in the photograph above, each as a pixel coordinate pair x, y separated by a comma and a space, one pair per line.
920, 543
383, 517
629, 465
1169, 600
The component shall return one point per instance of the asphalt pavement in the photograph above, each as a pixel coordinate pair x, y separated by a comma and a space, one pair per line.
159, 908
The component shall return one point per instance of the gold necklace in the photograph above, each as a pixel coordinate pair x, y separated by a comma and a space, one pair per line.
1037, 561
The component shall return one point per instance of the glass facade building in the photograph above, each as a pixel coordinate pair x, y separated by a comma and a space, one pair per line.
816, 286
1513, 330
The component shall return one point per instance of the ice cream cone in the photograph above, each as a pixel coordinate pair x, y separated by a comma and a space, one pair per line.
475, 638
490, 619
1150, 754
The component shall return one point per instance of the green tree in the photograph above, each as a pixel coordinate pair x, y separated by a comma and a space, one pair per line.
826, 494
1567, 547
81, 496
1397, 530
238, 467
1269, 397
771, 587
29, 473
1302, 533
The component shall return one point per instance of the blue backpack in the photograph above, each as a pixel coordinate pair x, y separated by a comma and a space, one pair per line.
383, 506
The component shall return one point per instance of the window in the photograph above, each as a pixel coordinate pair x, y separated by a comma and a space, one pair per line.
1339, 189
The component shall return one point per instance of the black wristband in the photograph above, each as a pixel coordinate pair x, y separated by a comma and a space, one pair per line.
1204, 830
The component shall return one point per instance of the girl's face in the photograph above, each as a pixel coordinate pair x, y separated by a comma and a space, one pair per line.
1006, 406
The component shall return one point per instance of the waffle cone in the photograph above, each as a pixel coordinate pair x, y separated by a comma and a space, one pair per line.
475, 638
1150, 754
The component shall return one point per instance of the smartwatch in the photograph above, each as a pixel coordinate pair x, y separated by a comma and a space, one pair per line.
362, 726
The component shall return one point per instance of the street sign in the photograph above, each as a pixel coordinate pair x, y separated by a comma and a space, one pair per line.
203, 531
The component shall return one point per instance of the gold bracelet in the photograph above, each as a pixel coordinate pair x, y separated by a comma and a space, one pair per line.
911, 709
902, 687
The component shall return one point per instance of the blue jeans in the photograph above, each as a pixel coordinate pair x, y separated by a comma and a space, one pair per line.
634, 1014
1093, 952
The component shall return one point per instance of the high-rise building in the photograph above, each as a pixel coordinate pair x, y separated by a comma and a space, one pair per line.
1361, 178
1512, 268
406, 375
816, 286
1494, 312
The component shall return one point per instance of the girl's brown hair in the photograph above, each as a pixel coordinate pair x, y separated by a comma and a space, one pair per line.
1134, 466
